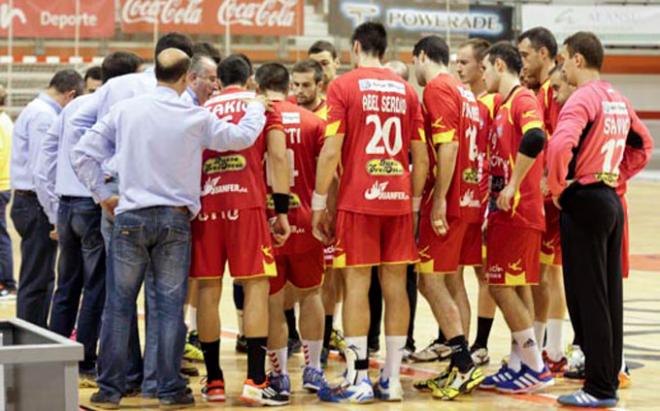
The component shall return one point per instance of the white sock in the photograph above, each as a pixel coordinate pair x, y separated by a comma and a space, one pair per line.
336, 320
623, 362
312, 351
360, 343
539, 333
192, 318
514, 356
529, 349
239, 320
393, 355
278, 360
554, 342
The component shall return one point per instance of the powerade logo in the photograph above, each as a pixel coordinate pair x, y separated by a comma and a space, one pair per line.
234, 162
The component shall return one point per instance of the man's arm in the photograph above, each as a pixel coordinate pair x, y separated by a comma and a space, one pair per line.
46, 170
278, 162
639, 146
225, 136
87, 114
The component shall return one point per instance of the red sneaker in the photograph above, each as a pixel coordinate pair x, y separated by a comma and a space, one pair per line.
214, 391
556, 367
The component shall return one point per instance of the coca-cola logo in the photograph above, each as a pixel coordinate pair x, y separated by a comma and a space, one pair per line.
8, 14
259, 13
166, 11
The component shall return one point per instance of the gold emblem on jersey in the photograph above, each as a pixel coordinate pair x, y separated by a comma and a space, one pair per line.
294, 201
608, 178
221, 164
471, 175
384, 167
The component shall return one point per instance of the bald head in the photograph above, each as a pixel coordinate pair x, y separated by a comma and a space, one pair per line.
399, 68
172, 66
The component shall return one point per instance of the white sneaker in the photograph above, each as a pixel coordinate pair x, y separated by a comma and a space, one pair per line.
436, 351
388, 390
480, 356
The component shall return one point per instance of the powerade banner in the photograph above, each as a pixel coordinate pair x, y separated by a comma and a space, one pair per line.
413, 21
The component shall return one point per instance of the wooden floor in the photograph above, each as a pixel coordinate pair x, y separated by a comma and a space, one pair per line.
642, 339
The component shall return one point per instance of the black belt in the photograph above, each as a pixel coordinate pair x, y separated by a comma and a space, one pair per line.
74, 198
25, 193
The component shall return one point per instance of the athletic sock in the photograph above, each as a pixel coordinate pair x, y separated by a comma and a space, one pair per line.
484, 325
239, 319
256, 347
623, 362
312, 351
529, 350
460, 356
278, 360
539, 333
291, 323
360, 344
514, 356
211, 352
554, 343
441, 337
327, 331
394, 345
335, 320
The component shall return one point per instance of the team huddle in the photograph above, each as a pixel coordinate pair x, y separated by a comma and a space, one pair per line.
309, 181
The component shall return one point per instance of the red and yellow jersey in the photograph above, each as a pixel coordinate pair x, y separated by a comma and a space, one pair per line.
321, 110
379, 115
451, 114
517, 114
488, 106
234, 180
550, 107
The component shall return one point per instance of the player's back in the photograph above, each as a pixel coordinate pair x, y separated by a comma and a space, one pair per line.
378, 114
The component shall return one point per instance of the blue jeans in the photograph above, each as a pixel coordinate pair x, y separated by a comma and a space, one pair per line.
38, 251
158, 237
81, 266
6, 255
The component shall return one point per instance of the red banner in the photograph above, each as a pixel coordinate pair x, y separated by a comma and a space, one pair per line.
254, 17
57, 18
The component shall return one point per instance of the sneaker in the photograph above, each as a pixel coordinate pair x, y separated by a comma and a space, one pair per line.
184, 399
430, 384
360, 393
188, 369
192, 353
324, 357
503, 374
373, 348
214, 391
281, 383
479, 356
294, 346
556, 367
193, 339
582, 399
388, 390
337, 342
103, 401
527, 380
241, 344
313, 379
624, 379
459, 383
575, 357
407, 354
87, 380
263, 394
7, 293
436, 351
132, 392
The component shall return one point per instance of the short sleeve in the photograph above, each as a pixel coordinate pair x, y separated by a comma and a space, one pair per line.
443, 110
418, 132
319, 138
526, 113
337, 110
273, 121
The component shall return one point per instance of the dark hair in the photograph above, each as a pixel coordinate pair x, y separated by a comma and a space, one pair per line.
174, 40
67, 80
94, 73
504, 51
307, 66
173, 72
434, 47
372, 36
119, 63
234, 70
541, 37
207, 49
320, 46
479, 47
247, 61
272, 76
587, 44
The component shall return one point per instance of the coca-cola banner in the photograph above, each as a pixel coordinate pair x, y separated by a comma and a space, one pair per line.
58, 18
254, 17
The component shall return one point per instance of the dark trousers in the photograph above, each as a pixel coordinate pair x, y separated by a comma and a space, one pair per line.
38, 251
591, 233
81, 266
6, 255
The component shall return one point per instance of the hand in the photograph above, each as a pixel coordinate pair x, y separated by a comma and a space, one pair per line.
109, 205
555, 200
505, 197
281, 229
439, 216
322, 226
53, 235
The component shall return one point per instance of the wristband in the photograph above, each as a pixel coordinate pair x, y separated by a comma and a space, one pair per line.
319, 201
416, 204
281, 202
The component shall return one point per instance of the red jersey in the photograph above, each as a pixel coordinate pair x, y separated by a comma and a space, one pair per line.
599, 138
234, 180
550, 107
488, 106
378, 114
517, 114
321, 110
451, 114
304, 138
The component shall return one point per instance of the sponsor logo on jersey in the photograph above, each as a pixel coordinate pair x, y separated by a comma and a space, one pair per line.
384, 167
382, 86
291, 118
615, 107
471, 175
231, 215
233, 162
378, 191
469, 199
211, 187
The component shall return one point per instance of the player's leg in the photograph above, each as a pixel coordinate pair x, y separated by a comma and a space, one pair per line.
290, 301
277, 332
329, 297
193, 347
239, 302
541, 297
485, 316
554, 347
456, 287
376, 317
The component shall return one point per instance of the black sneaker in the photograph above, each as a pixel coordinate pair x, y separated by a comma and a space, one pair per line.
294, 347
241, 344
189, 369
193, 338
104, 401
133, 391
183, 399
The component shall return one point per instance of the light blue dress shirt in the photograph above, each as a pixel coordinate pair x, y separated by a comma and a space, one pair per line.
190, 97
29, 131
157, 140
54, 176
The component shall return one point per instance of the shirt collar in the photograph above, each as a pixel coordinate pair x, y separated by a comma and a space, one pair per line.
167, 92
50, 101
192, 95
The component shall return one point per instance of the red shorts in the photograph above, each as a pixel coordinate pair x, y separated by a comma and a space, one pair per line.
550, 241
513, 255
367, 240
241, 237
625, 243
304, 271
472, 251
443, 254
329, 254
